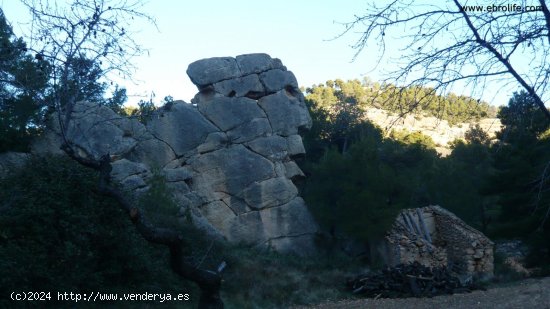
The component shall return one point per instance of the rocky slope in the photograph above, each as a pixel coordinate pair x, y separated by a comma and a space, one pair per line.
439, 130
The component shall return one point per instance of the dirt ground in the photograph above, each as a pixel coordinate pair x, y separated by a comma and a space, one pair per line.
530, 293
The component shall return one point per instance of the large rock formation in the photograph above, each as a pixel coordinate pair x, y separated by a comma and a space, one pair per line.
227, 157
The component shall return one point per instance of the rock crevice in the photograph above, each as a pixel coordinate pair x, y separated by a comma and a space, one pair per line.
227, 158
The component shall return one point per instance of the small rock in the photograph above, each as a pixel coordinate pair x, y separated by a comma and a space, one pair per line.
478, 254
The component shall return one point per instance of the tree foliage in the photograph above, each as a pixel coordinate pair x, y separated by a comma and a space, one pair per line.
476, 135
23, 83
53, 220
84, 41
522, 118
461, 179
414, 138
84, 84
335, 95
455, 43
64, 64
521, 182
500, 188
359, 192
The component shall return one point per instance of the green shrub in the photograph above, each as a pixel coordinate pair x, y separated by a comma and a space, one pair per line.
57, 234
264, 279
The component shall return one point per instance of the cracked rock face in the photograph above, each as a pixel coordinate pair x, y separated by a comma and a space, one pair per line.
227, 158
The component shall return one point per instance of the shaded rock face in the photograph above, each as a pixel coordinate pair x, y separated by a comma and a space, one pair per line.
227, 157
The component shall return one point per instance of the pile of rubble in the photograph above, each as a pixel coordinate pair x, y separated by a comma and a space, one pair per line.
514, 252
406, 280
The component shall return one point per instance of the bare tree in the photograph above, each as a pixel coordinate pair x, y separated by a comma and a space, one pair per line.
452, 43
71, 38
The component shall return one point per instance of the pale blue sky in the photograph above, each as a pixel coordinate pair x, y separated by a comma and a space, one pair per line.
297, 32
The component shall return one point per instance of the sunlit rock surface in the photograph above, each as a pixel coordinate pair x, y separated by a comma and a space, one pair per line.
227, 158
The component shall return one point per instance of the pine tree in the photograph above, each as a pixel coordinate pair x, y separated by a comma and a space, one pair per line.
23, 80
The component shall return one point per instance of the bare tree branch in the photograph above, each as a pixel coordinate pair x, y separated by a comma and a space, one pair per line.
449, 44
504, 61
546, 13
97, 33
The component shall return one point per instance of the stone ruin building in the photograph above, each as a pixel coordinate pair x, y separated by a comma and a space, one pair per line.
435, 237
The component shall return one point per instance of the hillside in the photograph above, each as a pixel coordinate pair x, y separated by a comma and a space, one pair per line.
443, 118
439, 130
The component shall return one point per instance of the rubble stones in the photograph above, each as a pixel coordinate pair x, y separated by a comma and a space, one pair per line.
406, 280
434, 237
229, 170
272, 147
97, 130
295, 145
292, 170
514, 252
240, 87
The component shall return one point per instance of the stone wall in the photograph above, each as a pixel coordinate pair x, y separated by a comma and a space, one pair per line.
228, 157
435, 237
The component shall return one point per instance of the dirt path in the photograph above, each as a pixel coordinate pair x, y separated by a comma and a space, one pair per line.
528, 294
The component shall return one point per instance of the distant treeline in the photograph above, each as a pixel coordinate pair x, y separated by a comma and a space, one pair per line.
359, 178
400, 100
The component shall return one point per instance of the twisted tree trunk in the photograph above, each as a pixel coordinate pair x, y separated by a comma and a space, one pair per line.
208, 281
